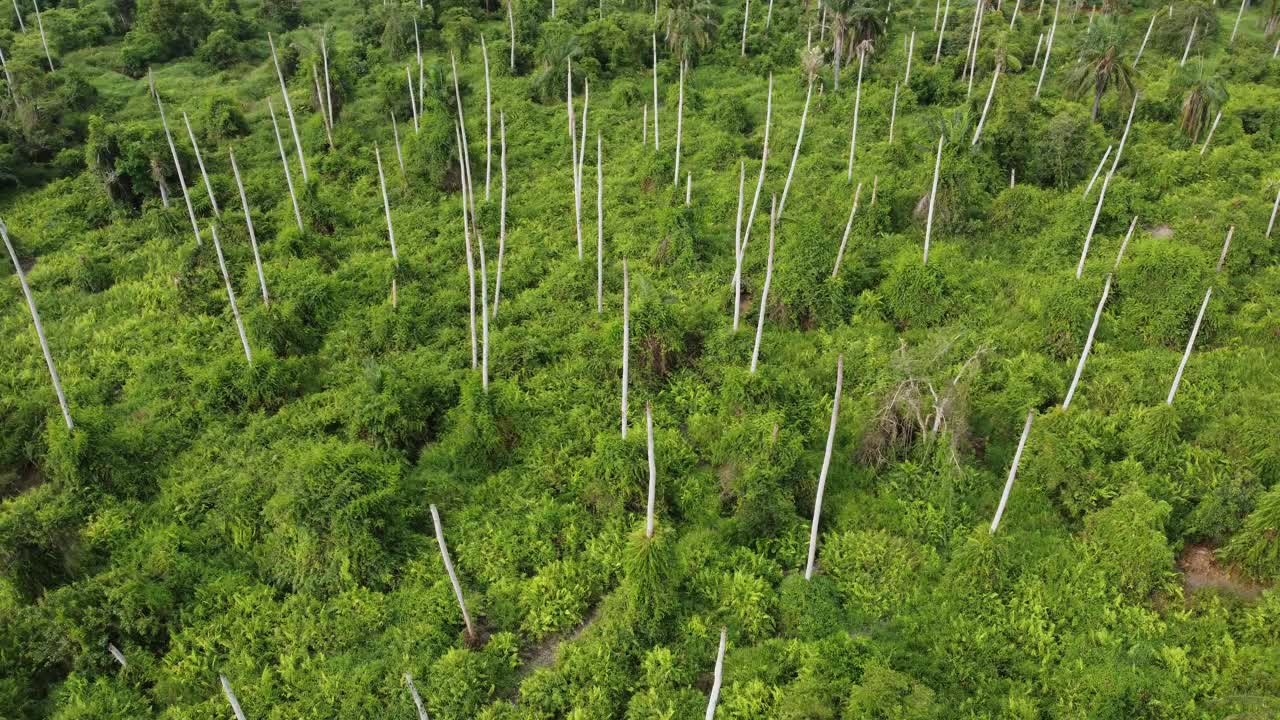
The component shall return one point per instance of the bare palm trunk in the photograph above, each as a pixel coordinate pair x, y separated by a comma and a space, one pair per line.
977, 43
835, 59
644, 126
986, 105
1124, 137
746, 18
511, 25
253, 238
1209, 137
1191, 342
35, 320
284, 160
177, 166
848, 227
1039, 43
1191, 37
1226, 245
737, 246
893, 112
119, 656
417, 46
937, 8
22, 26
417, 699
395, 132
1014, 18
599, 223
1145, 38
911, 52
582, 154
626, 342
679, 125
764, 161
1098, 171
655, 82
324, 113
466, 237
1093, 224
488, 119
453, 577
764, 294
933, 197
1236, 28
718, 677
200, 163
968, 48
573, 160
231, 697
1013, 472
857, 104
391, 233
942, 33
1272, 222
502, 209
288, 108
653, 470
8, 79
826, 466
1125, 243
231, 294
413, 100
43, 40
1088, 343
795, 154
1053, 29
768, 17
688, 189
328, 88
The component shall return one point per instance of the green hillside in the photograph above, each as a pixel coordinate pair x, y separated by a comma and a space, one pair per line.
236, 499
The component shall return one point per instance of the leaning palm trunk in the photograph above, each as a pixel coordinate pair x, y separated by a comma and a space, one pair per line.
737, 246
655, 82
328, 88
35, 320
795, 154
893, 113
653, 470
231, 295
119, 656
719, 676
1209, 138
413, 101
986, 105
626, 342
1088, 343
200, 162
688, 189
826, 466
933, 198
599, 223
968, 48
391, 232
453, 577
177, 164
422, 94
1272, 222
1145, 38
324, 113
580, 159
1048, 49
764, 161
8, 78
488, 119
1125, 243
22, 26
466, 237
43, 40
470, 204
857, 104
1098, 170
1226, 245
573, 161
511, 24
746, 17
1013, 472
231, 697
395, 133
417, 699
1014, 18
1191, 343
679, 125
284, 160
942, 33
502, 209
848, 227
1191, 37
1124, 137
1039, 44
977, 43
288, 108
768, 277
1093, 224
253, 238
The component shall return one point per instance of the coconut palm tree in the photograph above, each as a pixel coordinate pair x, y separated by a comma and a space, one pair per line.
855, 24
1101, 67
1205, 92
691, 26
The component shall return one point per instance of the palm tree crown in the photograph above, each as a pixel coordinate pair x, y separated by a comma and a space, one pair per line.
1101, 66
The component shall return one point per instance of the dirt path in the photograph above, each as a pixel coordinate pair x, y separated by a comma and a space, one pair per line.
544, 653
1200, 569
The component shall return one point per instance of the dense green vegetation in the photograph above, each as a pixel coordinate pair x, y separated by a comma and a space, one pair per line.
269, 521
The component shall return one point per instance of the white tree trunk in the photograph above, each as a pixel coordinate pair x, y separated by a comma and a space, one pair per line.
43, 40
1039, 43
177, 164
386, 204
848, 227
8, 78
599, 223
1016, 6
1125, 243
448, 566
231, 697
200, 163
719, 676
466, 236
795, 154
746, 18
893, 113
968, 48
937, 8
938, 53
768, 17
826, 466
986, 105
573, 160
644, 127
1048, 49
1274, 207
1191, 342
288, 108
488, 119
417, 45
764, 161
35, 320
231, 294
655, 82
653, 470
582, 156
977, 43
626, 342
1190, 39
1209, 138
737, 246
328, 87
1093, 224
933, 197
22, 26
679, 126
1097, 171
119, 656
324, 113
395, 132
413, 100
1226, 245
417, 699
1145, 38
284, 160
764, 294
511, 24
857, 105
253, 238
1088, 343
502, 209
1124, 137
911, 52
1013, 472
